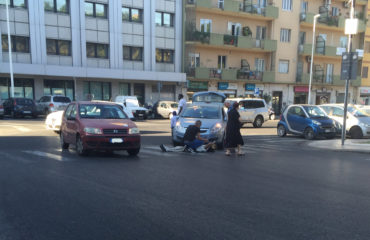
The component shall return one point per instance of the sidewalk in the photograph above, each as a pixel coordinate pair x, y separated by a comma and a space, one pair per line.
350, 145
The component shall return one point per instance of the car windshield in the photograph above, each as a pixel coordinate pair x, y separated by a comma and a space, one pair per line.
208, 97
201, 112
357, 112
132, 102
314, 112
100, 111
174, 105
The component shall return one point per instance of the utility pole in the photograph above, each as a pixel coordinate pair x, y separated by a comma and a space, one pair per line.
10, 51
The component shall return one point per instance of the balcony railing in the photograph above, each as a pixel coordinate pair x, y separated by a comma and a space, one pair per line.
324, 80
268, 11
230, 74
230, 40
329, 51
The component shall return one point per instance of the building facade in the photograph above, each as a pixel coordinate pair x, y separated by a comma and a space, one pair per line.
364, 90
263, 48
100, 48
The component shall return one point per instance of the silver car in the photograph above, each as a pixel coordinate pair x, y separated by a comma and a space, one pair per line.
213, 120
49, 104
358, 122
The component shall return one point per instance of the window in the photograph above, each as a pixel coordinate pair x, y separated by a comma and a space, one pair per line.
15, 3
194, 60
285, 35
19, 44
124, 89
60, 6
164, 19
97, 90
132, 15
22, 88
221, 62
365, 71
302, 37
343, 42
283, 66
59, 87
206, 25
58, 47
96, 50
287, 5
164, 56
95, 10
334, 11
304, 7
221, 4
133, 53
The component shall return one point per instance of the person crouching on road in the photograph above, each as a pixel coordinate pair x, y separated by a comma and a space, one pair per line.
192, 140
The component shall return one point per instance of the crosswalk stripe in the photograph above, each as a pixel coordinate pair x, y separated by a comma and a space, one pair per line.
48, 155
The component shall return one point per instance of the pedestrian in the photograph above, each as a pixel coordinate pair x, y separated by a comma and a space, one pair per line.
234, 139
227, 106
192, 140
182, 103
173, 121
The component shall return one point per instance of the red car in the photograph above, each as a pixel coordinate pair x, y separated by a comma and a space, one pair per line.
98, 126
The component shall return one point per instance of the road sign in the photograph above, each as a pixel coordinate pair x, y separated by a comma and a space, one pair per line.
257, 91
349, 66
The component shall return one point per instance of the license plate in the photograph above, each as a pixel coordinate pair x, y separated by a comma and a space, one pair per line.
328, 130
141, 114
116, 140
26, 111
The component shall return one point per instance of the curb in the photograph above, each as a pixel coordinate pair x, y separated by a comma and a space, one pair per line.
335, 145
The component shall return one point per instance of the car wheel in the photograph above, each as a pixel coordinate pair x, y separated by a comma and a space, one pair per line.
63, 144
34, 115
309, 134
356, 133
272, 117
133, 152
258, 122
80, 147
281, 131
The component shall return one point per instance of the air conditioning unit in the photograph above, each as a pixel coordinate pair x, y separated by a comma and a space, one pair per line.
346, 4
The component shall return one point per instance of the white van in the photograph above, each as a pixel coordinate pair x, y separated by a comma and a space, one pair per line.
132, 104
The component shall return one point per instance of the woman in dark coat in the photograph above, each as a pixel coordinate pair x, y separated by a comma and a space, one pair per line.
233, 138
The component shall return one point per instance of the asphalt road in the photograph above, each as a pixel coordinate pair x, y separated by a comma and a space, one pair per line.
279, 190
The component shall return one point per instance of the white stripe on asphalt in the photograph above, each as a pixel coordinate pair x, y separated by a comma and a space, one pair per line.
22, 129
48, 155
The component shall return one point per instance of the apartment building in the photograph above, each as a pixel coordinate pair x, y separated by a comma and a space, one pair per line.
364, 90
263, 48
99, 48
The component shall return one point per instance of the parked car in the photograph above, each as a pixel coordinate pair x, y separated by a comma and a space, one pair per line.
123, 107
98, 126
364, 108
49, 104
358, 122
165, 109
254, 111
53, 121
213, 119
1, 109
132, 104
306, 120
20, 107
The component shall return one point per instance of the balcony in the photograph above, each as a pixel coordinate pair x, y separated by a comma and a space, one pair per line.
328, 51
230, 7
229, 41
330, 22
231, 74
321, 80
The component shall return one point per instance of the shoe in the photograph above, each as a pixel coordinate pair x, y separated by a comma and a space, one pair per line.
163, 148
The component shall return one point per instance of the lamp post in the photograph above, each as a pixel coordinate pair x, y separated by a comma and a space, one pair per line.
312, 53
10, 51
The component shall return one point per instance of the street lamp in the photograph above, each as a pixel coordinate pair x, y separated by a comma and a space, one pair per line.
10, 51
312, 52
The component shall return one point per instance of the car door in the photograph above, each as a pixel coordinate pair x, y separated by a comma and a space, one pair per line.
162, 109
243, 111
70, 124
337, 114
295, 118
251, 109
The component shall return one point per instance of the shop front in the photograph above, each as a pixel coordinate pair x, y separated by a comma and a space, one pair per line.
364, 95
322, 97
59, 87
196, 86
23, 88
300, 94
229, 89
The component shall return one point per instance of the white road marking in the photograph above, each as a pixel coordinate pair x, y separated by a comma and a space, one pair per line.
22, 129
48, 155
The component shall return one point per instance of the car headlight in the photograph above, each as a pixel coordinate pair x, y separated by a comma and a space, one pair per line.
316, 122
90, 130
133, 131
180, 128
216, 128
365, 125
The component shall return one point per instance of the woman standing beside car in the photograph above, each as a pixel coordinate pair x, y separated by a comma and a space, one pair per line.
233, 138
